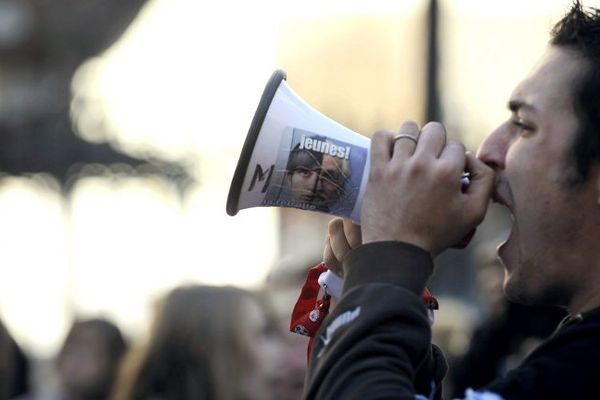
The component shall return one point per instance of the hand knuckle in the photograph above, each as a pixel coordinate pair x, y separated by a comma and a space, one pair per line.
396, 172
334, 226
417, 166
447, 171
377, 174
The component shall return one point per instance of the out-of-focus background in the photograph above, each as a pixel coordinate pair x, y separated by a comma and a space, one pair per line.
121, 123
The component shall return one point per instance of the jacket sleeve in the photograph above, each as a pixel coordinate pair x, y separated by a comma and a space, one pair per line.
377, 337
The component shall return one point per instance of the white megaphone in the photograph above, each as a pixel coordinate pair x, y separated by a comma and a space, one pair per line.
294, 156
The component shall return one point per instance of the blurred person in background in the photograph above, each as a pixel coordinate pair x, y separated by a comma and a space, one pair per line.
89, 359
206, 343
14, 367
282, 286
87, 363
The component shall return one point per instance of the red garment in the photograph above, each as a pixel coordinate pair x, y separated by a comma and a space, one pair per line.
312, 305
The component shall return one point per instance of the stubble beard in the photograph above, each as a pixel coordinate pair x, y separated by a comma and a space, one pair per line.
530, 285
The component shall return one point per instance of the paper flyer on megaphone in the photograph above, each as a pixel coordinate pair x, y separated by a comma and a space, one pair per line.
312, 172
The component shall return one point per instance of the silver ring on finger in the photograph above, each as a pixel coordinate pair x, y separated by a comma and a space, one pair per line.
405, 136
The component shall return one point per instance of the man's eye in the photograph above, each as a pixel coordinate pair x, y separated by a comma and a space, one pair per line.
305, 172
522, 126
328, 177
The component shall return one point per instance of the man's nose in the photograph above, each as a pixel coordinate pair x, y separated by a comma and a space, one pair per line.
321, 180
494, 147
314, 180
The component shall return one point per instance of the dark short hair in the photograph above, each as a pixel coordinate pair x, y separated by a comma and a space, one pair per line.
106, 330
303, 158
579, 30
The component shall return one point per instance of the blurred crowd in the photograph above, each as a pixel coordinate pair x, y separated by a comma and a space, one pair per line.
228, 343
204, 342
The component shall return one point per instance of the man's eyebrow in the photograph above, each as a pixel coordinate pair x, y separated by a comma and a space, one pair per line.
516, 105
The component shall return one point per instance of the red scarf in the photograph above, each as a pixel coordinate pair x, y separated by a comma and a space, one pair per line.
312, 305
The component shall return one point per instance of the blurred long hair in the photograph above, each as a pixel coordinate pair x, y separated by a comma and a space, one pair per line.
195, 350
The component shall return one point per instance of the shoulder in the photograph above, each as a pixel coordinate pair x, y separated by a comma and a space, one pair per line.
564, 366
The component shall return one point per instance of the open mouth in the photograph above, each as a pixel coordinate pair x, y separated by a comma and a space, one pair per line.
503, 197
307, 197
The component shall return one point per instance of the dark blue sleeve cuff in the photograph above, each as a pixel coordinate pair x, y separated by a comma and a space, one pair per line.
390, 262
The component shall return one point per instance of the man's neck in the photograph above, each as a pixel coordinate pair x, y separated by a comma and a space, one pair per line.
587, 299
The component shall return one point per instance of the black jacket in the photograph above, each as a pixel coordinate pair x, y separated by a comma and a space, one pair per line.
376, 343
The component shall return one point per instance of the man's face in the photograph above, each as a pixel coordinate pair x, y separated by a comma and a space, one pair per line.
303, 182
552, 243
330, 184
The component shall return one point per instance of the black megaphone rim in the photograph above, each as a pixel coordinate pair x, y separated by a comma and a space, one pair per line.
257, 121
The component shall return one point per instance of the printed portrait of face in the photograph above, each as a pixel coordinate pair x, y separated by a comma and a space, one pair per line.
330, 186
303, 172
316, 178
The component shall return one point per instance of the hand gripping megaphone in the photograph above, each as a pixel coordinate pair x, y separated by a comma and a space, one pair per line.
294, 156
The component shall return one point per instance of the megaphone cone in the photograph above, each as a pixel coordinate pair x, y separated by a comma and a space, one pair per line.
294, 156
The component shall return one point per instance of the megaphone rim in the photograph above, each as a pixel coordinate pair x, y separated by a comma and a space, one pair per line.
257, 121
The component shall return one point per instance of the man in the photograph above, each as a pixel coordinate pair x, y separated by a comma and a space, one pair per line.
316, 177
303, 170
543, 164
333, 176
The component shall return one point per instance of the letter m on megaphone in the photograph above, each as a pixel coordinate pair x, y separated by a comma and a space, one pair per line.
261, 176
294, 156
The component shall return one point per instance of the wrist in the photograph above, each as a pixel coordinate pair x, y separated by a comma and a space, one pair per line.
391, 262
404, 238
